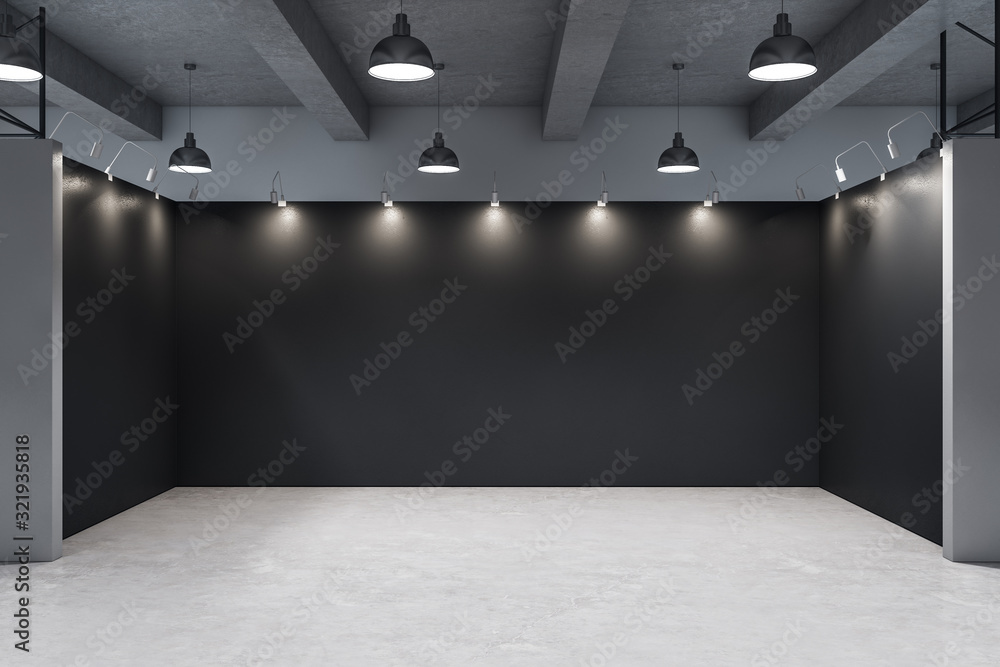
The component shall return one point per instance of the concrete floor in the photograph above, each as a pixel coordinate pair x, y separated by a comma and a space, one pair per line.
547, 577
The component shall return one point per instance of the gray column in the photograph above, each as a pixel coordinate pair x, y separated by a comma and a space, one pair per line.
971, 338
31, 182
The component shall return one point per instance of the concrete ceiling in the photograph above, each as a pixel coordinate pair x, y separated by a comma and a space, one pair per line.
639, 70
912, 83
248, 50
133, 37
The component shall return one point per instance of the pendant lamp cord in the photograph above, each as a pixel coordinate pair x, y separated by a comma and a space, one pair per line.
439, 102
189, 101
678, 100
937, 88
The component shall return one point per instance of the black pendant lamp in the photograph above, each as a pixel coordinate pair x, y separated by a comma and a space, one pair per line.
401, 57
18, 60
189, 158
678, 159
783, 57
438, 159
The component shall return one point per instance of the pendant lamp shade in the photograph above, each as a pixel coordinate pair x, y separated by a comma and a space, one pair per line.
401, 57
678, 159
935, 148
18, 60
190, 159
782, 57
438, 159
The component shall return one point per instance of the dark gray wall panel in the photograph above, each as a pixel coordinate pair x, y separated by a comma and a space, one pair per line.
881, 277
122, 359
495, 346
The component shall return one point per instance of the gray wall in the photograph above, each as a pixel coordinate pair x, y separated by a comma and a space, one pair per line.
971, 364
508, 140
31, 356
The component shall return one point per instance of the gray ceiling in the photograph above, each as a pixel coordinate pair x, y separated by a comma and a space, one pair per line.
639, 70
912, 83
512, 41
163, 36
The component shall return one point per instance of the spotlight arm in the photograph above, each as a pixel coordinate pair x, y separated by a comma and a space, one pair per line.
836, 160
96, 152
919, 113
715, 178
152, 172
277, 177
807, 171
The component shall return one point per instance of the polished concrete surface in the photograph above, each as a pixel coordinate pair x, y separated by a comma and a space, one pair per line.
501, 576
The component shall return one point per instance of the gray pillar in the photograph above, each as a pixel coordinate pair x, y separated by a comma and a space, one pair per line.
31, 181
971, 340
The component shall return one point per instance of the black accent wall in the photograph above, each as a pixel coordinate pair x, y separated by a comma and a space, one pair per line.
120, 354
333, 282
881, 280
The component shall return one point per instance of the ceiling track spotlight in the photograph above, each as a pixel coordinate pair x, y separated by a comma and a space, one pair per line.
678, 159
495, 196
401, 57
603, 201
190, 159
386, 199
438, 159
275, 199
19, 62
98, 148
713, 195
150, 176
782, 57
799, 192
842, 175
937, 140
